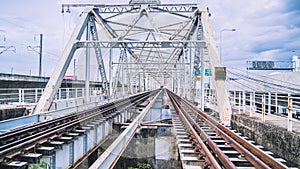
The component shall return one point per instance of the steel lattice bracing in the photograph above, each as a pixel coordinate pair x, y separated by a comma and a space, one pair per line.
164, 44
98, 53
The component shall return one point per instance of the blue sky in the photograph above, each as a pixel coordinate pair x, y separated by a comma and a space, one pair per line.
266, 30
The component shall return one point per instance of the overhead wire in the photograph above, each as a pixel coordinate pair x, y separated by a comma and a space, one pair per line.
267, 77
249, 85
50, 53
240, 77
246, 86
265, 83
241, 84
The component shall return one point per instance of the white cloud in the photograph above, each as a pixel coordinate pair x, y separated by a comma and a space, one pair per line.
266, 29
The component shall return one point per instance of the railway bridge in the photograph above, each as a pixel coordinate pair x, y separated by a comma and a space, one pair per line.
165, 101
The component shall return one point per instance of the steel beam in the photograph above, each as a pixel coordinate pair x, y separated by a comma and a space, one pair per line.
62, 66
222, 97
111, 9
141, 44
87, 64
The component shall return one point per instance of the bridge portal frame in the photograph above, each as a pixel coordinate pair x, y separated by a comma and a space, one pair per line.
193, 33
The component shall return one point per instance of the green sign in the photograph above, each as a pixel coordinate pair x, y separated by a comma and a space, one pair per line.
198, 72
207, 72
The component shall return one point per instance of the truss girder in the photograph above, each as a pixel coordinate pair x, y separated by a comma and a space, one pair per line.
199, 36
117, 9
98, 53
111, 32
102, 22
60, 70
117, 77
156, 49
222, 97
143, 44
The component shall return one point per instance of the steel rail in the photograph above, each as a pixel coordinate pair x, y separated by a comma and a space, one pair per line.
254, 155
48, 133
31, 140
249, 149
221, 156
210, 160
29, 130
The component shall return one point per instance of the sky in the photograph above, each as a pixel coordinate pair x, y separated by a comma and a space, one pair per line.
265, 30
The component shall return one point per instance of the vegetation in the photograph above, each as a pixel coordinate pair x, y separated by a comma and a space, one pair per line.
42, 165
141, 166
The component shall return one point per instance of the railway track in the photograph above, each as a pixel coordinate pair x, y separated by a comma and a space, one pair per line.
203, 141
16, 143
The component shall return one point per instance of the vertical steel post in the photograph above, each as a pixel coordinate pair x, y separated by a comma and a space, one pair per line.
209, 95
23, 95
123, 80
87, 65
290, 116
40, 54
240, 98
129, 59
59, 93
110, 70
144, 80
276, 103
76, 94
139, 88
251, 104
191, 76
172, 81
67, 93
184, 74
263, 108
269, 102
35, 95
244, 102
234, 98
178, 82
202, 78
20, 95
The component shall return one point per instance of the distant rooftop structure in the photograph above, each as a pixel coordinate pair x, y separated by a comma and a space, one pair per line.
270, 65
296, 61
293, 65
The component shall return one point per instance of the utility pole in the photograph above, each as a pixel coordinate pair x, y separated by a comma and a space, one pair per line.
232, 30
40, 59
33, 48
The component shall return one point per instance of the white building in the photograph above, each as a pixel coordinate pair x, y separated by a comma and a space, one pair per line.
296, 62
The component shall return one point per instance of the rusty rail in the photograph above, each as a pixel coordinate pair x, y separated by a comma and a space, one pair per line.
254, 155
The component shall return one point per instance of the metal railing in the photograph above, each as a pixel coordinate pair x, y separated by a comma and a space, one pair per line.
280, 105
267, 104
32, 95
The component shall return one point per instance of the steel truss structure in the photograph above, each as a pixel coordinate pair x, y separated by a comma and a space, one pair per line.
158, 45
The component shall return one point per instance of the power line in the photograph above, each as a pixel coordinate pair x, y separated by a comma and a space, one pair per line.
266, 83
267, 77
50, 53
